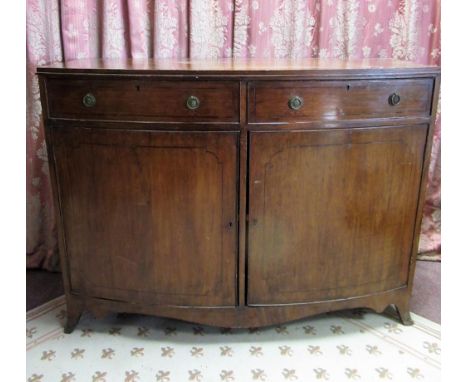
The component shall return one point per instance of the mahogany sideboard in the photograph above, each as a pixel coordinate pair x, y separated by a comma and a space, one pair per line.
238, 193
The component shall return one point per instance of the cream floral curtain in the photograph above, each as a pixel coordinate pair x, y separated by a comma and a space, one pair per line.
344, 29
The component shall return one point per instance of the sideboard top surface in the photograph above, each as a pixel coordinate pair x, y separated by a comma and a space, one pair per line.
238, 67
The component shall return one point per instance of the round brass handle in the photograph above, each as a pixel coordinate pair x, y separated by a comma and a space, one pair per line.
394, 99
89, 100
295, 103
193, 102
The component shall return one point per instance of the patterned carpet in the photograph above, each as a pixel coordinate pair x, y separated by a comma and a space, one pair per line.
344, 346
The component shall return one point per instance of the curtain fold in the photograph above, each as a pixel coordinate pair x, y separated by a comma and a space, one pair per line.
344, 29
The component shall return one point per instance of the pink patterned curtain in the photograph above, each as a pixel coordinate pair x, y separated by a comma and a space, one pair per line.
71, 29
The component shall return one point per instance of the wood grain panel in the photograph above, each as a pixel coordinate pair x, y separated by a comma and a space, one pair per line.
331, 213
338, 100
262, 67
150, 217
143, 100
246, 317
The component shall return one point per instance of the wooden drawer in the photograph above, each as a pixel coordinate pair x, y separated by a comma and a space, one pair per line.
301, 101
143, 100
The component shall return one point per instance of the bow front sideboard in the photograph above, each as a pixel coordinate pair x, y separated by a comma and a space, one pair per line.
238, 193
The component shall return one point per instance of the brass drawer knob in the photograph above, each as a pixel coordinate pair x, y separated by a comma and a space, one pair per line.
394, 99
295, 103
193, 102
89, 100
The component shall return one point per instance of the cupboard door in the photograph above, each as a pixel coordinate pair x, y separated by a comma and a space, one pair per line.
149, 216
331, 212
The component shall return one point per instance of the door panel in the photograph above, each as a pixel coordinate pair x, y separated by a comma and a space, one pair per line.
150, 216
331, 213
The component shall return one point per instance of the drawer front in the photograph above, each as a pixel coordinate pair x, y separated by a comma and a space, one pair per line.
143, 100
301, 101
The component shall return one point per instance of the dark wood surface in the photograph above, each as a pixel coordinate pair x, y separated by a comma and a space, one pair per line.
143, 100
337, 100
240, 67
331, 212
161, 214
150, 217
43, 286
